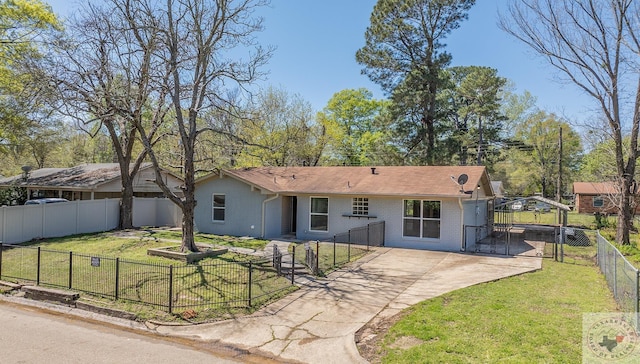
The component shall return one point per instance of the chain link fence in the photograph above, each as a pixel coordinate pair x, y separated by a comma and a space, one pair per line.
588, 247
577, 246
622, 277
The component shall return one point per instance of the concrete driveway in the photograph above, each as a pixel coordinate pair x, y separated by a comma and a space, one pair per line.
317, 323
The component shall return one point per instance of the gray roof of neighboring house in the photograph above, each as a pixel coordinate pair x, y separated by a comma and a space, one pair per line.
385, 180
84, 176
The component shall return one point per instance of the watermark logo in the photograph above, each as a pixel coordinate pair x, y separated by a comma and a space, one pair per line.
609, 338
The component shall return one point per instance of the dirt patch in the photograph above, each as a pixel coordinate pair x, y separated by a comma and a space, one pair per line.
369, 337
406, 342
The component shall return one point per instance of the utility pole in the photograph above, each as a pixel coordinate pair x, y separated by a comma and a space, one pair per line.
480, 151
559, 186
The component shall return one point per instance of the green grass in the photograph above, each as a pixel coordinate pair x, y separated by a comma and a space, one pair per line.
135, 247
531, 318
230, 241
585, 221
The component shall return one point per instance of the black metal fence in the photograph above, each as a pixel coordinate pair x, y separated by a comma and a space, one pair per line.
323, 257
224, 284
370, 235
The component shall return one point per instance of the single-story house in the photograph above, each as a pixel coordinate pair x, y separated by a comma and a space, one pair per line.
591, 197
89, 182
425, 207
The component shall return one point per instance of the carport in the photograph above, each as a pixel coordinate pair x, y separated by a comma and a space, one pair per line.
508, 238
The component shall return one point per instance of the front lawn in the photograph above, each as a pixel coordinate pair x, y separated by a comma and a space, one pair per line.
531, 318
115, 265
133, 244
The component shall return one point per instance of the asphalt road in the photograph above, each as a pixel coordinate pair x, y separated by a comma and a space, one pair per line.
31, 335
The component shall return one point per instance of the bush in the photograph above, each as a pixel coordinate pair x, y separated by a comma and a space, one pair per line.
13, 195
603, 222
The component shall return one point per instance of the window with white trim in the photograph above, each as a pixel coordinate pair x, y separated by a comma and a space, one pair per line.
218, 207
421, 219
598, 201
319, 214
360, 206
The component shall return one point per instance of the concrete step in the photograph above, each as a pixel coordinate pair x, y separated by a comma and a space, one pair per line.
297, 268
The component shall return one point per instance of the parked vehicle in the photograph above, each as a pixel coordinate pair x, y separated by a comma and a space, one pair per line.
542, 207
41, 201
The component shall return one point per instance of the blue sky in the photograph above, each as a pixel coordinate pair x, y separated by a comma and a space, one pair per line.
316, 42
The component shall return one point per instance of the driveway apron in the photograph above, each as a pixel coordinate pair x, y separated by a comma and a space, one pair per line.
317, 323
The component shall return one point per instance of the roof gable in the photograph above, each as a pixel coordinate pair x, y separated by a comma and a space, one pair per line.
436, 181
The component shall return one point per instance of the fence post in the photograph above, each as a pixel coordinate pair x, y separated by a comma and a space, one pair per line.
293, 263
555, 247
275, 254
171, 288
637, 318
349, 251
615, 275
70, 270
1, 249
117, 277
250, 278
334, 251
38, 269
368, 235
562, 239
317, 256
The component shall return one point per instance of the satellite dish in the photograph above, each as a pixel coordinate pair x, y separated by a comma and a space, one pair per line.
462, 179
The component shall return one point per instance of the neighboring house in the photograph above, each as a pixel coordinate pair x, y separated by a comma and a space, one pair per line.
89, 182
423, 207
591, 197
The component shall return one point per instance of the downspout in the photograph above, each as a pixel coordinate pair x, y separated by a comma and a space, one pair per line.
462, 237
264, 207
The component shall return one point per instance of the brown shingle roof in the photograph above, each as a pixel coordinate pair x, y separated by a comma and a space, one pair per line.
387, 180
594, 188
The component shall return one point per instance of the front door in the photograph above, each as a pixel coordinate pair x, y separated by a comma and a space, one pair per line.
289, 214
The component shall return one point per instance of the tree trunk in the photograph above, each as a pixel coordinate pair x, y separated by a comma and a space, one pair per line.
625, 216
188, 241
189, 199
126, 207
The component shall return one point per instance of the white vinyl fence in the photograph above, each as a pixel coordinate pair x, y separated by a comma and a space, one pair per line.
23, 223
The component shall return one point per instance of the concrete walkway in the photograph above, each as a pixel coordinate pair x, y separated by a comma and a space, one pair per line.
317, 323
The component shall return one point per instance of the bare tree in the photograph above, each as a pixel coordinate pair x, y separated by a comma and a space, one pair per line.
595, 44
102, 75
207, 47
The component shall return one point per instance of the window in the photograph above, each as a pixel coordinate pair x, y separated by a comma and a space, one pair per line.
360, 206
319, 219
219, 207
421, 219
598, 201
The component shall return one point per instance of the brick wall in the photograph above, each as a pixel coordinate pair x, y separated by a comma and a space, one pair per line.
584, 205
